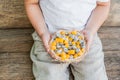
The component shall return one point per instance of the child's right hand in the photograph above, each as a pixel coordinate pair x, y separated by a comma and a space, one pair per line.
46, 37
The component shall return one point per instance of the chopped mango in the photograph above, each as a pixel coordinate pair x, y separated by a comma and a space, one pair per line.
65, 42
79, 53
59, 40
62, 32
74, 32
63, 55
70, 39
66, 45
78, 46
53, 43
71, 52
73, 43
83, 50
67, 56
53, 48
80, 37
75, 56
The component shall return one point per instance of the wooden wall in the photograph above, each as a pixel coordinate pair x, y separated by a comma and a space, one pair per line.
16, 41
12, 14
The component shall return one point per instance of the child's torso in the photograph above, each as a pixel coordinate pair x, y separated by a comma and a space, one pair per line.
66, 14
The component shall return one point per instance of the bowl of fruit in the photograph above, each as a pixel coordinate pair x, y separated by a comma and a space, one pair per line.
68, 46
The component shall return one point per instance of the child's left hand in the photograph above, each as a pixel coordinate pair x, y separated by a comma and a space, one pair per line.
88, 37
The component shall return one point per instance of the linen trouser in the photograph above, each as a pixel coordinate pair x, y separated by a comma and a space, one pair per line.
90, 68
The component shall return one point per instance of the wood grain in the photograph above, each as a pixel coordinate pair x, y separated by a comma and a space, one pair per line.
20, 40
15, 46
17, 66
13, 15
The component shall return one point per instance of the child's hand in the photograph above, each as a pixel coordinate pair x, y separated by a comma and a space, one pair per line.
46, 38
88, 37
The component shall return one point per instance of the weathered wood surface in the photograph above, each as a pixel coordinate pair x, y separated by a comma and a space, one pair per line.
15, 45
12, 14
21, 39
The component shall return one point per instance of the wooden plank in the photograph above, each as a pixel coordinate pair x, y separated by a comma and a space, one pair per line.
17, 66
12, 14
109, 32
112, 62
16, 40
110, 37
20, 40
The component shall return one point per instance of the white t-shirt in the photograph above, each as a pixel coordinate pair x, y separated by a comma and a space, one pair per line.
67, 14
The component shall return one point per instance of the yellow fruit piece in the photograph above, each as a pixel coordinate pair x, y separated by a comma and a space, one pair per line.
83, 50
67, 37
53, 43
78, 46
71, 52
59, 40
74, 32
53, 48
77, 43
67, 56
75, 56
65, 42
70, 39
79, 53
63, 56
73, 43
56, 39
66, 45
62, 32
80, 37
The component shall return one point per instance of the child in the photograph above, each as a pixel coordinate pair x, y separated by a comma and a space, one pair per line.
49, 16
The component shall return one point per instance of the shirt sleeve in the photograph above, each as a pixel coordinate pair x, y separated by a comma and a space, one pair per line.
103, 0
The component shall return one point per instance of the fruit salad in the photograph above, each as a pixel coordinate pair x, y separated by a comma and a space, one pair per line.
68, 45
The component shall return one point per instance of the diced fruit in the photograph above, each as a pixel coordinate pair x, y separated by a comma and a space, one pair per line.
68, 45
73, 43
78, 46
70, 39
62, 32
67, 56
53, 43
75, 56
74, 32
53, 47
79, 53
83, 50
71, 52
65, 42
80, 37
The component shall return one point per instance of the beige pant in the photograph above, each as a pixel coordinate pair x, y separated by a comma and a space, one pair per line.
90, 68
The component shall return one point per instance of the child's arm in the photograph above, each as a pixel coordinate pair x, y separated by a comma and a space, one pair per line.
97, 18
36, 18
